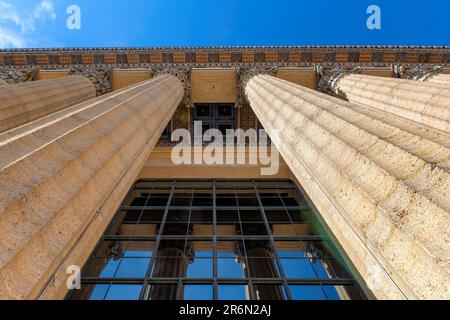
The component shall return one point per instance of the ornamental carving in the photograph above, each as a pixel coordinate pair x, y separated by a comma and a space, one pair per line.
243, 75
418, 73
13, 76
184, 75
292, 56
329, 77
99, 76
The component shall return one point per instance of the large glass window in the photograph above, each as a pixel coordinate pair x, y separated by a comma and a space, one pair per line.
216, 239
215, 116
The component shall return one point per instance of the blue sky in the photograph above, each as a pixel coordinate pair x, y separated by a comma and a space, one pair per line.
105, 23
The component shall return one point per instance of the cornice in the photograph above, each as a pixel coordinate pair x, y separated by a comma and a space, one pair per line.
280, 56
221, 48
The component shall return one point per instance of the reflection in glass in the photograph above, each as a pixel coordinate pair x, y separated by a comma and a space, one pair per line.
198, 292
175, 251
298, 269
200, 268
124, 292
307, 292
233, 292
230, 268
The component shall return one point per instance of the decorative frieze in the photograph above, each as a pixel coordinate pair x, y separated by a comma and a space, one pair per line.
225, 56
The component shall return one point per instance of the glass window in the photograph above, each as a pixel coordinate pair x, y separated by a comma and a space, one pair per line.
225, 111
230, 268
221, 117
124, 292
132, 268
99, 292
307, 292
203, 111
200, 268
341, 292
109, 269
298, 269
198, 292
233, 292
269, 292
264, 250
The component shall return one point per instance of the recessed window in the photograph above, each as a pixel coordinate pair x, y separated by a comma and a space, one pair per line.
215, 116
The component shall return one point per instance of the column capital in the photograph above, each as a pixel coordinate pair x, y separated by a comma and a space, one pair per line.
13, 76
243, 75
329, 77
101, 77
418, 73
184, 75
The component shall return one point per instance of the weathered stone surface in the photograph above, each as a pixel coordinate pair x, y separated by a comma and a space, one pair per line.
63, 178
2, 82
439, 79
382, 188
422, 102
25, 102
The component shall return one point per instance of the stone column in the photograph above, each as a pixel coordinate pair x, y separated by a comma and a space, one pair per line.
426, 103
382, 190
25, 102
63, 180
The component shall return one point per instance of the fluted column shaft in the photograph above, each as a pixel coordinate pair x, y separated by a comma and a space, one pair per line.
422, 102
62, 181
439, 78
372, 182
25, 102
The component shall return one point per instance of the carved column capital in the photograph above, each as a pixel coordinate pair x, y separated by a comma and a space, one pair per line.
329, 77
418, 73
99, 76
184, 75
14, 76
243, 75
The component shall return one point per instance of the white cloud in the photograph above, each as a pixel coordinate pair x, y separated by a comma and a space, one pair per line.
10, 40
8, 13
45, 9
15, 27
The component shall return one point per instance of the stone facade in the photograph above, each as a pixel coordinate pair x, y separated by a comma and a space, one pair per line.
375, 167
